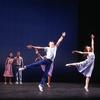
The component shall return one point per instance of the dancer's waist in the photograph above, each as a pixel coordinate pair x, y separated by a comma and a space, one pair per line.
50, 60
17, 65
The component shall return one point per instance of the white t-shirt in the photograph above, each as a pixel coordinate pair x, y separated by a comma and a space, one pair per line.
18, 61
51, 52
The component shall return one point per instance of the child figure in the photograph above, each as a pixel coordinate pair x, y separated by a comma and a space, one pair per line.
8, 68
18, 62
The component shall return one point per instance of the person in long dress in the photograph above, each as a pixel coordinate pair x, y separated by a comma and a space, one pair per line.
51, 54
8, 73
86, 67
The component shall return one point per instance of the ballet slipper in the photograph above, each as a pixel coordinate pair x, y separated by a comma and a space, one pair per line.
5, 83
10, 82
86, 89
48, 85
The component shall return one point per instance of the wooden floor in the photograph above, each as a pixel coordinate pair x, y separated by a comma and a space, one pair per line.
58, 91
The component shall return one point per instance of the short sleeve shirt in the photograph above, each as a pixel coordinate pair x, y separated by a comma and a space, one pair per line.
18, 61
51, 52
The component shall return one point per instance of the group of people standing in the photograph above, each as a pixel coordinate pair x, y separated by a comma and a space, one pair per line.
47, 61
18, 63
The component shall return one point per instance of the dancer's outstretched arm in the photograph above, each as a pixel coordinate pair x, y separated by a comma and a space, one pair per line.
92, 42
35, 47
61, 38
80, 52
75, 64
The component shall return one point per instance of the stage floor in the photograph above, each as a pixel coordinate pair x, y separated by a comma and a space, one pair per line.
60, 91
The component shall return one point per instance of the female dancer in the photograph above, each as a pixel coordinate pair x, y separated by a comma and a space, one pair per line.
51, 54
43, 67
86, 67
8, 68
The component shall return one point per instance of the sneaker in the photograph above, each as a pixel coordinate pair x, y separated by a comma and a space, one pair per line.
40, 88
10, 83
48, 85
16, 83
21, 69
21, 83
5, 83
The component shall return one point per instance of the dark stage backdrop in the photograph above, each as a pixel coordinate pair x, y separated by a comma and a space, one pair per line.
89, 23
36, 22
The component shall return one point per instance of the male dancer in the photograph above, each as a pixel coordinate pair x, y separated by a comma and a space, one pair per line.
51, 54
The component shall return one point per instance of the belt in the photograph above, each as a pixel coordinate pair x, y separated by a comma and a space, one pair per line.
50, 60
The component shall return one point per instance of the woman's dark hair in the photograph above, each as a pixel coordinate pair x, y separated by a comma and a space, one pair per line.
48, 43
85, 50
9, 54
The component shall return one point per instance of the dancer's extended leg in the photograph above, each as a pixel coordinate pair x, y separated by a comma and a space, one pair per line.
40, 62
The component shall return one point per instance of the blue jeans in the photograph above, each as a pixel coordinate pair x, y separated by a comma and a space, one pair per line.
45, 61
18, 74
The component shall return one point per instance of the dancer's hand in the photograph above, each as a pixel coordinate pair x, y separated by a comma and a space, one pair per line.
29, 46
36, 51
73, 51
63, 34
92, 36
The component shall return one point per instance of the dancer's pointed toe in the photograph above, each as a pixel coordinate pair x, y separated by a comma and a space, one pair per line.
86, 89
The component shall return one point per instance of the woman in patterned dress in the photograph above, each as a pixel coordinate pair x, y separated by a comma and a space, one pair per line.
8, 68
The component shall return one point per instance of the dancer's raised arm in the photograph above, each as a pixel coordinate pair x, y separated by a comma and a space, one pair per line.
61, 38
36, 51
92, 42
39, 56
35, 47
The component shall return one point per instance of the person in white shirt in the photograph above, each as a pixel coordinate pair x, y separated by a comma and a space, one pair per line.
18, 62
51, 54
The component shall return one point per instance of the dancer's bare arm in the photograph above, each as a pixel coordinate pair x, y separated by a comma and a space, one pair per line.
22, 63
14, 60
92, 42
61, 38
6, 63
36, 59
36, 51
35, 47
39, 56
80, 52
